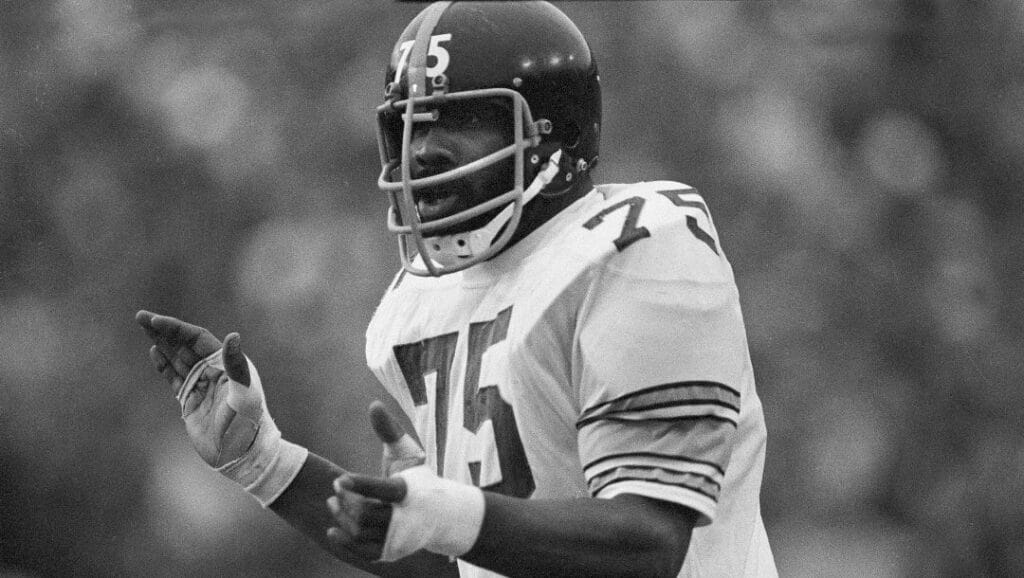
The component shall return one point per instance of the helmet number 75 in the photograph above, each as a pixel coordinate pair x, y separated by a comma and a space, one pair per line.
440, 54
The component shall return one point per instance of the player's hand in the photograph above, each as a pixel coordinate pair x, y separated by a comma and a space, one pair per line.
389, 518
362, 508
218, 431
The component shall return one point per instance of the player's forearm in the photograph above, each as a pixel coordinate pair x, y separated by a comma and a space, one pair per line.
303, 505
624, 536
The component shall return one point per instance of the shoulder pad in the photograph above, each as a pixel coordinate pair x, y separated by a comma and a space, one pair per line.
658, 229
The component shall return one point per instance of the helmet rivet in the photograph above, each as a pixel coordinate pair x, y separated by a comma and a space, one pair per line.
517, 82
581, 165
534, 159
568, 177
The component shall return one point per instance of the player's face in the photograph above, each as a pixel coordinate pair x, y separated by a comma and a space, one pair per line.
465, 130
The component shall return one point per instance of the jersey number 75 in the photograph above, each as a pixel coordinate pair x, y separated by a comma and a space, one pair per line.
480, 402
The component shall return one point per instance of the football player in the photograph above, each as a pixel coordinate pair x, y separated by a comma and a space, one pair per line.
572, 357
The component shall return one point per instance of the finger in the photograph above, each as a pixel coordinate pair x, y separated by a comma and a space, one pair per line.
182, 343
181, 358
235, 363
164, 367
178, 334
174, 330
159, 335
160, 362
390, 490
145, 320
401, 451
384, 425
341, 516
340, 538
364, 519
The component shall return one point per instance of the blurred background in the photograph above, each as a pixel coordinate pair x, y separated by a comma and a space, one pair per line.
216, 161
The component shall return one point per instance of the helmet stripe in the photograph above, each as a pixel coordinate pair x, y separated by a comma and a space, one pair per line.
417, 68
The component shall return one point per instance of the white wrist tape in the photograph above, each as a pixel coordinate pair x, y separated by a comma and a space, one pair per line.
438, 515
270, 464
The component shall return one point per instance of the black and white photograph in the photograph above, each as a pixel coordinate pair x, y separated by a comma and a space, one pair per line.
511, 288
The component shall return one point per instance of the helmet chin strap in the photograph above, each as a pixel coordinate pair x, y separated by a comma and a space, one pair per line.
450, 250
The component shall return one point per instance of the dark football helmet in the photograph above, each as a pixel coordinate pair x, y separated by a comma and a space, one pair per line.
528, 55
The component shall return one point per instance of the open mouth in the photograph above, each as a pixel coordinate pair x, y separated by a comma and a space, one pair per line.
435, 204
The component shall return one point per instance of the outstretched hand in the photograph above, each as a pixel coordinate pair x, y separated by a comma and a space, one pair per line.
218, 431
362, 505
390, 518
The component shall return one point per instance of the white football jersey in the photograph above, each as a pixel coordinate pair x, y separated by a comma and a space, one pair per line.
603, 354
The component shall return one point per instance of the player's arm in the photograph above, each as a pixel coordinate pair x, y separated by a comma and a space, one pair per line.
627, 535
225, 416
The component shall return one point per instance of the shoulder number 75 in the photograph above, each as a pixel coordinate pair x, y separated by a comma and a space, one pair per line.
631, 233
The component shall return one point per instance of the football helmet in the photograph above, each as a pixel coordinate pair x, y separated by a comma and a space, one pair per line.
526, 55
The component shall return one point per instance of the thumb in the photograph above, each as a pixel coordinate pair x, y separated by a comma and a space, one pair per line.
400, 449
245, 394
235, 363
384, 425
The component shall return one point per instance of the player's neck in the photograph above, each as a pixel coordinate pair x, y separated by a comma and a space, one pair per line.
543, 208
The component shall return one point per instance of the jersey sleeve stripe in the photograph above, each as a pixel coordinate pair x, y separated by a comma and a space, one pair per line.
710, 487
647, 462
693, 408
655, 417
670, 457
666, 392
693, 393
702, 489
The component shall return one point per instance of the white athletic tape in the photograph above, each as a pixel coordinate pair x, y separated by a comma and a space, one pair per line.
208, 369
247, 401
270, 464
437, 515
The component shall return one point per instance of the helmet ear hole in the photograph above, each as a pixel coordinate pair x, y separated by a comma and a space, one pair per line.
570, 135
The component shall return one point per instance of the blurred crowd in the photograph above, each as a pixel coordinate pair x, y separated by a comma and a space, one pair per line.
216, 160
